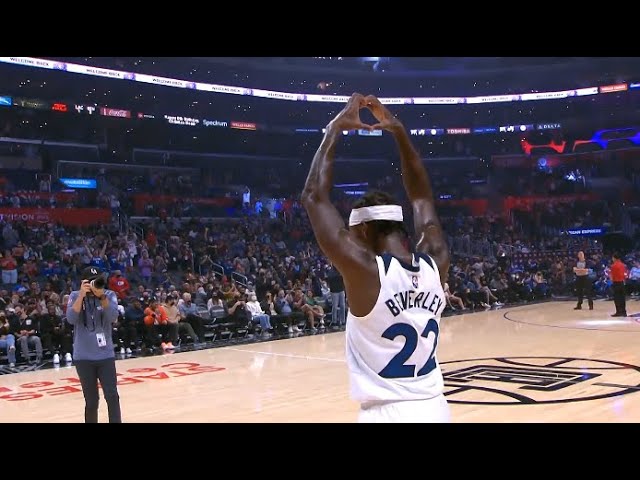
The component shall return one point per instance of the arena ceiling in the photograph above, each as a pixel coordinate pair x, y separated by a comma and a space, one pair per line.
427, 66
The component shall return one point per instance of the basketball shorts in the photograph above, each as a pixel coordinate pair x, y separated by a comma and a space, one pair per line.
433, 410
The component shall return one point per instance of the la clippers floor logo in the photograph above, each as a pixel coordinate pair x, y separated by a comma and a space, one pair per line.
132, 376
536, 380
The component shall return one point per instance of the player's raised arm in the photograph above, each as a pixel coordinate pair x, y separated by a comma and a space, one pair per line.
329, 228
418, 187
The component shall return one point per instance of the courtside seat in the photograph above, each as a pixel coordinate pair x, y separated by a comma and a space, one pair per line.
224, 327
215, 327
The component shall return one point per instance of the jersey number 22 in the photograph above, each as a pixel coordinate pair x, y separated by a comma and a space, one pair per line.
397, 368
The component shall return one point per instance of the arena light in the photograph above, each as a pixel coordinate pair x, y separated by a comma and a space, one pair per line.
233, 90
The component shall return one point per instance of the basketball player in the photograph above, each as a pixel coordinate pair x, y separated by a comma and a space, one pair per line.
395, 297
583, 282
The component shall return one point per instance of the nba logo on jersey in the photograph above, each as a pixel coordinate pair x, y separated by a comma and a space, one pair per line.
414, 281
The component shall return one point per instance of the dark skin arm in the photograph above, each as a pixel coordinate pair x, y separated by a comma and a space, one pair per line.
417, 185
353, 260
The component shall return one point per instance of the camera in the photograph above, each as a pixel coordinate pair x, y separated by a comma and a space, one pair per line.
98, 283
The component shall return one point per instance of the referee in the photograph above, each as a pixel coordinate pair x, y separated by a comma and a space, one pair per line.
92, 310
617, 274
583, 282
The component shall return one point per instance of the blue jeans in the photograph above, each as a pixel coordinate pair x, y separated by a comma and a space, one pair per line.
9, 342
264, 320
9, 277
27, 341
338, 303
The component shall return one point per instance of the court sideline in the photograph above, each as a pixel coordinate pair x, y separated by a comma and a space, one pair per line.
535, 363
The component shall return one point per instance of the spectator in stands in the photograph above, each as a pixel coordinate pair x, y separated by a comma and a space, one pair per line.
27, 334
540, 286
119, 284
7, 339
312, 306
500, 286
156, 321
98, 257
452, 299
338, 305
237, 308
10, 235
482, 288
9, 267
30, 268
125, 332
268, 305
258, 315
56, 335
135, 315
176, 326
284, 306
633, 283
215, 303
145, 268
189, 312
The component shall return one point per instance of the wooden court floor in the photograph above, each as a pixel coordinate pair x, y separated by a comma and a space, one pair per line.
535, 363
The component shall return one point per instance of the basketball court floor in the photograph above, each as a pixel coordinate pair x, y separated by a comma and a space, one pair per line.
534, 363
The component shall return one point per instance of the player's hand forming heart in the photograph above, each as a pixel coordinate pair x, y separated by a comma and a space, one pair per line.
386, 119
349, 117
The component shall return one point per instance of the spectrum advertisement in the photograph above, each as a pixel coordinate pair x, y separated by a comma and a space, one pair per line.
184, 120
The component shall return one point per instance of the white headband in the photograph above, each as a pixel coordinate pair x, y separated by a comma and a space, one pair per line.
391, 213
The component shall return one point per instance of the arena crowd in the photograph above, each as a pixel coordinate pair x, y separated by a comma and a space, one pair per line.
193, 284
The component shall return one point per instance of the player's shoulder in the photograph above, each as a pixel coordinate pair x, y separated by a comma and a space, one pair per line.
388, 259
427, 258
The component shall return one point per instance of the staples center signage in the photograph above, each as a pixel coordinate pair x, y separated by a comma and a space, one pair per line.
88, 109
179, 120
548, 126
243, 125
620, 87
214, 123
66, 216
458, 131
60, 107
587, 231
113, 112
141, 376
31, 103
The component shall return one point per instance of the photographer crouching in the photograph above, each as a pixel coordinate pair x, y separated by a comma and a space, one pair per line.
92, 310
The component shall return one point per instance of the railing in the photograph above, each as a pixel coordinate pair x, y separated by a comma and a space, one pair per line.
137, 229
472, 247
216, 268
240, 279
123, 221
628, 225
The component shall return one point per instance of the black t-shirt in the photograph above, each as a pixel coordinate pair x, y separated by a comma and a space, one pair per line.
29, 323
335, 281
241, 313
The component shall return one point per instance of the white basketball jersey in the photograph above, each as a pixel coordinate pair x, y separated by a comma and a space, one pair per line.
391, 352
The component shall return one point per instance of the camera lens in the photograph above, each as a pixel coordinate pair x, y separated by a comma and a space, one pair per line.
98, 283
